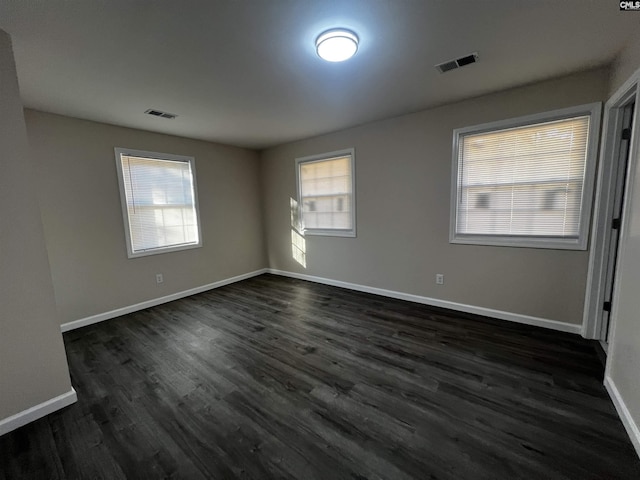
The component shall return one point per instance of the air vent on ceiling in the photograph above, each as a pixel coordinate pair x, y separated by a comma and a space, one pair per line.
158, 113
457, 63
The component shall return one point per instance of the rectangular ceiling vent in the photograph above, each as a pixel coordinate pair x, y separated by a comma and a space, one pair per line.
158, 113
457, 63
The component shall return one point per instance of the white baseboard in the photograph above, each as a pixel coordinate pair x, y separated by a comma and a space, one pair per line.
623, 412
488, 312
34, 413
461, 307
83, 322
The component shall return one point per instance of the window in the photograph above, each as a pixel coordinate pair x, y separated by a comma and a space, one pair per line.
326, 187
159, 202
526, 182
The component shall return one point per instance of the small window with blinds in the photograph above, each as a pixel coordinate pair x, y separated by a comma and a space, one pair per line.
326, 193
526, 182
159, 202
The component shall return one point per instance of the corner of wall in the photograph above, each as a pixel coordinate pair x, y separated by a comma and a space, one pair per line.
627, 419
33, 365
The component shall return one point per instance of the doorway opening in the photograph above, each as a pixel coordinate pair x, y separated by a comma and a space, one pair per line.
620, 176
618, 138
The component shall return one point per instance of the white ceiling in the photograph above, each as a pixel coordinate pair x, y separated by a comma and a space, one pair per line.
244, 72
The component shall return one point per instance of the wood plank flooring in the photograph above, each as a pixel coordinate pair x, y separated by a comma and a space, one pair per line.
276, 378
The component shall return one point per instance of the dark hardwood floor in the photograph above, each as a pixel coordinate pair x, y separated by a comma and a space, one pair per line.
275, 378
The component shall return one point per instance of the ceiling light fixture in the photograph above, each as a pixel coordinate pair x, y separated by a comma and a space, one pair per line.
337, 45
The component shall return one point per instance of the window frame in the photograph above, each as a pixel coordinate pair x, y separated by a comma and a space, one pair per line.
593, 110
119, 152
329, 232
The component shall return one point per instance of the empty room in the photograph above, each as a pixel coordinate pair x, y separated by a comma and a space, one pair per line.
319, 239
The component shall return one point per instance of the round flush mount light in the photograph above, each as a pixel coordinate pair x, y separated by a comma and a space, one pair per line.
337, 45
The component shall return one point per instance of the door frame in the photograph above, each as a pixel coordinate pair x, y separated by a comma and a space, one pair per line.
605, 194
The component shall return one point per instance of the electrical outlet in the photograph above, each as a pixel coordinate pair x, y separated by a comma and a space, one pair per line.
439, 279
159, 278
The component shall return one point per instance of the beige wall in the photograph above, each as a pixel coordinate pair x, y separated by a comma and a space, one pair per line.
33, 366
83, 221
403, 175
623, 362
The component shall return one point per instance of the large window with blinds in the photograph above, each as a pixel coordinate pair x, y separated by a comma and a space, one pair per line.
526, 182
326, 193
159, 201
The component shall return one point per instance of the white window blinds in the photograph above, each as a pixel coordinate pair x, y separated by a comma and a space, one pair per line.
326, 193
160, 203
525, 181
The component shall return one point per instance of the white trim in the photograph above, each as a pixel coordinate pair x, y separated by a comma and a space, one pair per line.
602, 215
630, 87
594, 112
38, 411
435, 302
329, 232
119, 152
83, 322
623, 412
604, 345
626, 218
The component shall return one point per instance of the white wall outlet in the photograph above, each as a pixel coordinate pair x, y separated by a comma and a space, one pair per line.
439, 279
159, 278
